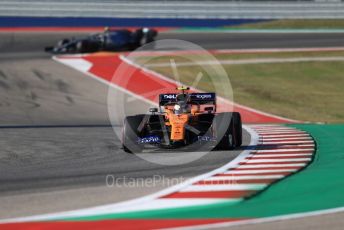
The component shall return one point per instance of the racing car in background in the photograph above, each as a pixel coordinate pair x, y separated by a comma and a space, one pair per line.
183, 119
109, 40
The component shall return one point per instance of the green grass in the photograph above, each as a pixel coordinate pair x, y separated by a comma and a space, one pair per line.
308, 91
296, 24
241, 56
226, 56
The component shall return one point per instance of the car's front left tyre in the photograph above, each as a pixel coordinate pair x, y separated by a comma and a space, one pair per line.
229, 130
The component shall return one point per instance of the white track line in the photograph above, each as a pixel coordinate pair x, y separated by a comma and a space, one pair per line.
276, 129
277, 160
239, 177
264, 125
172, 203
279, 155
286, 138
286, 146
283, 150
285, 135
223, 187
268, 134
286, 142
271, 166
268, 131
238, 172
280, 132
273, 127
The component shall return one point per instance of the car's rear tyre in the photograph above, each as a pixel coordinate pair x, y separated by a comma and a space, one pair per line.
138, 37
228, 127
150, 36
130, 134
81, 46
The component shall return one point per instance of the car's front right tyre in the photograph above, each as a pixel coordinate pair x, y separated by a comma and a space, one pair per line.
130, 134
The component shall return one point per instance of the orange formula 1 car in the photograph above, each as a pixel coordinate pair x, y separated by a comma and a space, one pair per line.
184, 119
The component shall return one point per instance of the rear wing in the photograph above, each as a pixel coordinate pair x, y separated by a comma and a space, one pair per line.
200, 98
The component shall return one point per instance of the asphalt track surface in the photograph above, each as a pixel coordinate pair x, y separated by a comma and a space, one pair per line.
64, 166
59, 156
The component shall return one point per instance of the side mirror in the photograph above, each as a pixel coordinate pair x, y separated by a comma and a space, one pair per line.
209, 109
153, 110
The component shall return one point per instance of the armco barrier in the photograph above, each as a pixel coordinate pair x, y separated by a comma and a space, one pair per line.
174, 9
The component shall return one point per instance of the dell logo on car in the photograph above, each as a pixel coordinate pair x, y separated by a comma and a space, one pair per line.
170, 96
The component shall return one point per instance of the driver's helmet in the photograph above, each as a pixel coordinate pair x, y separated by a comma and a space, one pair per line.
182, 105
106, 29
145, 30
182, 97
